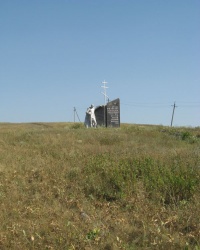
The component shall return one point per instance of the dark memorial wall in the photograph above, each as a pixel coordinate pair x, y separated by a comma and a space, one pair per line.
110, 117
99, 113
113, 113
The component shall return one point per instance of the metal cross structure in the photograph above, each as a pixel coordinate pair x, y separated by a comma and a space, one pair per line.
104, 93
105, 102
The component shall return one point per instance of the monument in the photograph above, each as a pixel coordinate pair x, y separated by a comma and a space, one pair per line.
113, 113
101, 113
108, 115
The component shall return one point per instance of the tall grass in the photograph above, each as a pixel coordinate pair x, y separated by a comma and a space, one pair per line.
63, 186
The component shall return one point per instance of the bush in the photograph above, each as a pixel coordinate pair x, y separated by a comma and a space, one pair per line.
77, 126
112, 180
108, 179
170, 184
185, 135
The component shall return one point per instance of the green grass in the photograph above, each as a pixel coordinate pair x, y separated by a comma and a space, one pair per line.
63, 186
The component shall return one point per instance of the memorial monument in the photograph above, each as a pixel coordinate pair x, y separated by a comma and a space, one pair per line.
113, 113
105, 115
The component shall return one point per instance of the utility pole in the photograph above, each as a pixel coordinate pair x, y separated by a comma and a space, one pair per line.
174, 106
76, 114
105, 97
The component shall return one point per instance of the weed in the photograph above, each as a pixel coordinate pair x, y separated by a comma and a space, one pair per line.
77, 126
93, 234
108, 178
185, 135
171, 184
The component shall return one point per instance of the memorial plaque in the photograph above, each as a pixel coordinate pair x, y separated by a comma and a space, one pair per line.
113, 113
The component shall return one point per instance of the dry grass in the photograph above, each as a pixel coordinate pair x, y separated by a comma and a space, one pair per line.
66, 187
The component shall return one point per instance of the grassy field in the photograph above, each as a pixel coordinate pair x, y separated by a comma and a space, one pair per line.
63, 186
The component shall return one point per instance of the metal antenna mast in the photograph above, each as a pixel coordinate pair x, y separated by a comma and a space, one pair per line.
105, 97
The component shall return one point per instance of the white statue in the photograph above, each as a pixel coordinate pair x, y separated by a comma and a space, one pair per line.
90, 118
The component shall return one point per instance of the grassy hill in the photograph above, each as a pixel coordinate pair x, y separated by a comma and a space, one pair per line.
63, 186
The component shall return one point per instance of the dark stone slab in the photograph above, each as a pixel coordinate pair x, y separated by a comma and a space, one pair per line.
109, 115
100, 118
113, 113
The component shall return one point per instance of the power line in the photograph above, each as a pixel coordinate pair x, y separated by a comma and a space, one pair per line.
159, 105
145, 105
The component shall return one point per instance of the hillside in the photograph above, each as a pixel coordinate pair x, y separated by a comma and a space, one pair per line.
63, 186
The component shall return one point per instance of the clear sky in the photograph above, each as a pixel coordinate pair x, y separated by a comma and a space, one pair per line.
54, 55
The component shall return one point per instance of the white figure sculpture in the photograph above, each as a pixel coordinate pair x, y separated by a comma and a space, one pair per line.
90, 118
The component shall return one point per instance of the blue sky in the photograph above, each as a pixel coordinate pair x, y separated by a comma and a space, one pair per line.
54, 55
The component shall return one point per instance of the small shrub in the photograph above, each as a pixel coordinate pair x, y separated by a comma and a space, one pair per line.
170, 184
109, 179
92, 235
77, 126
185, 135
